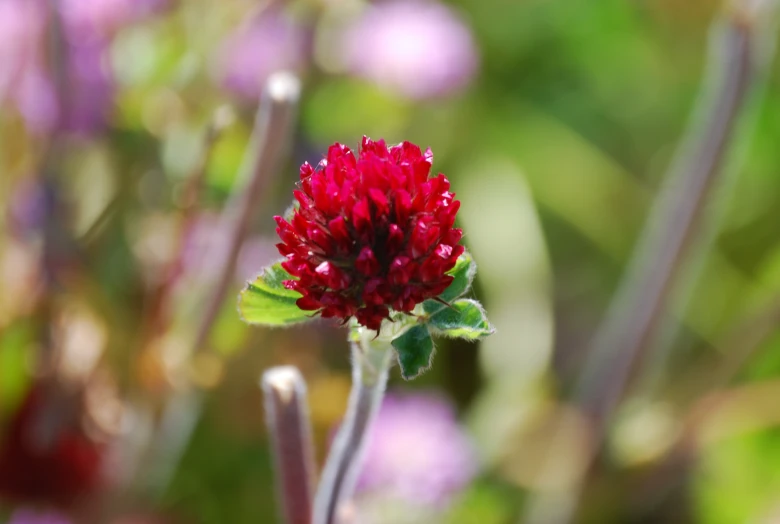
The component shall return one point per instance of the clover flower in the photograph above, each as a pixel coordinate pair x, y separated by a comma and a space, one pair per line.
370, 233
369, 238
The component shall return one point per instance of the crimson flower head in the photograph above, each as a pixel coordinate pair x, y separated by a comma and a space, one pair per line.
370, 234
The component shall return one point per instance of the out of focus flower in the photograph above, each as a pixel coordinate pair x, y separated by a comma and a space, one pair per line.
417, 48
29, 516
256, 252
90, 90
370, 233
27, 207
206, 246
21, 26
29, 83
417, 451
22, 29
44, 459
268, 42
87, 20
88, 94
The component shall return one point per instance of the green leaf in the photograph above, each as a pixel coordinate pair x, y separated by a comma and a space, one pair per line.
465, 319
267, 302
464, 271
415, 351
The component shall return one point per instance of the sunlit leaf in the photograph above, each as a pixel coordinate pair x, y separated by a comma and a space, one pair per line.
465, 319
267, 302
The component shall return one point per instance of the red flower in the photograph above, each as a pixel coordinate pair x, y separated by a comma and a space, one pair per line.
370, 233
59, 472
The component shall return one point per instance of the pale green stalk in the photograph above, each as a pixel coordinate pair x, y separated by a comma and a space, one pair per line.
371, 360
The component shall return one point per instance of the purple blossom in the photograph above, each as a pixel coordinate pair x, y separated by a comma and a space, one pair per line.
22, 28
417, 451
417, 48
206, 248
87, 20
29, 84
35, 99
91, 88
266, 43
26, 207
256, 252
28, 516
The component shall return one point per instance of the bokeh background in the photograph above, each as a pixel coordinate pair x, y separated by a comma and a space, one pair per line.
123, 125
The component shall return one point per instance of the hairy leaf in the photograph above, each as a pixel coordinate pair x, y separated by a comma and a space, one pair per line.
464, 271
415, 351
267, 302
465, 319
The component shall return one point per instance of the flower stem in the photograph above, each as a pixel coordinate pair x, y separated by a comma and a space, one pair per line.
287, 417
371, 360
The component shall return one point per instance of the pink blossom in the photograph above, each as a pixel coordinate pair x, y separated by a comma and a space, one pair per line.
417, 451
417, 48
267, 43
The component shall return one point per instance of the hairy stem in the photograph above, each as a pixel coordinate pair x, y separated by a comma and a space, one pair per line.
287, 418
370, 365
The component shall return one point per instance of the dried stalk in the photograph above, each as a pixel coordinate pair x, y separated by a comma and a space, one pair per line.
287, 418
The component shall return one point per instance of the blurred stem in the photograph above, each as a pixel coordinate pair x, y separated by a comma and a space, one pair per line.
673, 229
57, 50
158, 314
270, 138
371, 359
287, 417
54, 237
742, 342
